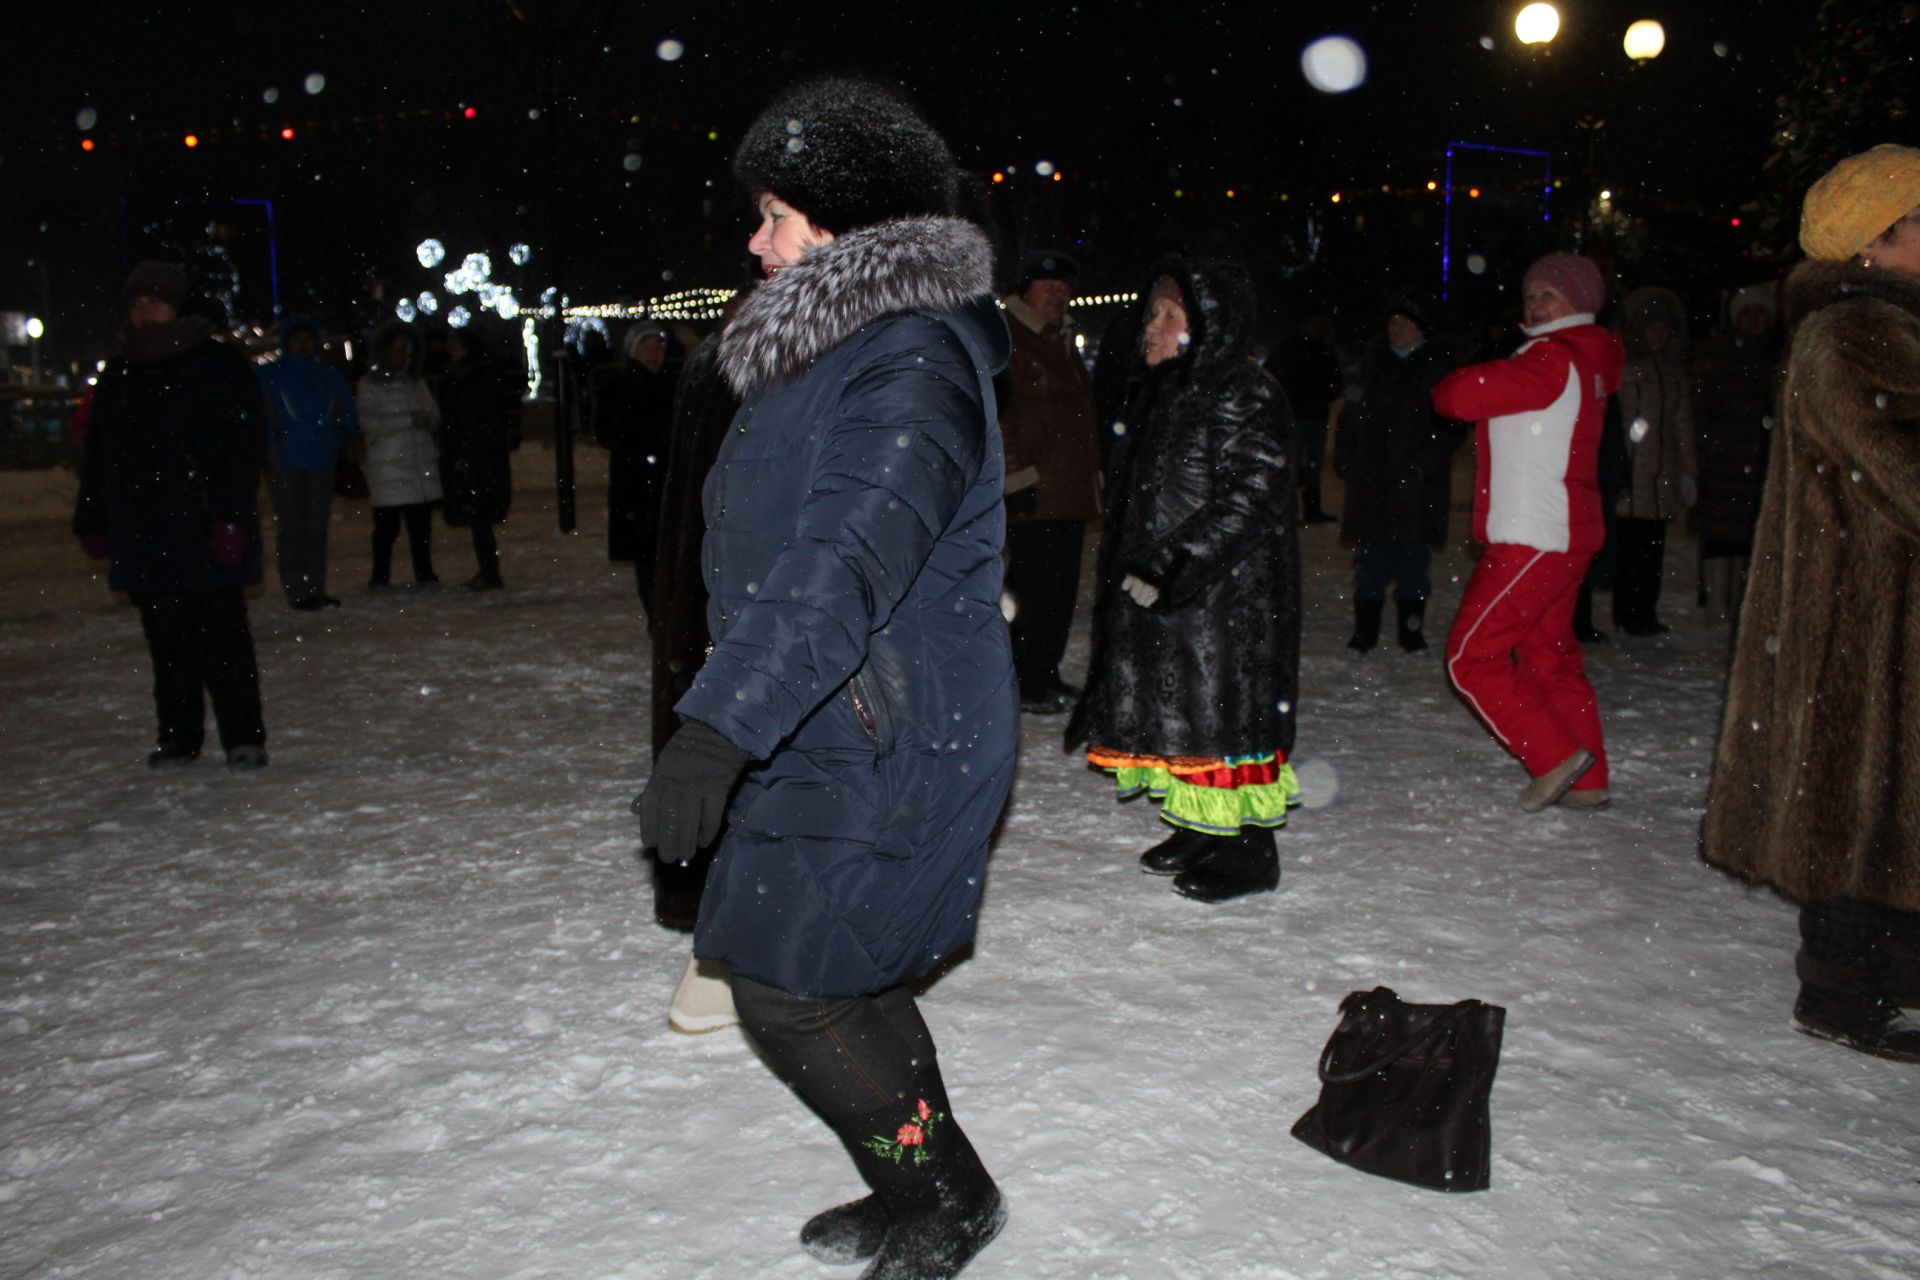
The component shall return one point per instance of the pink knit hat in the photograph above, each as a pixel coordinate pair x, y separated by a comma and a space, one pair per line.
1571, 276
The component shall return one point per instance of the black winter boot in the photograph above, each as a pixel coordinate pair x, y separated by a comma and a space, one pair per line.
1413, 621
941, 1206
852, 1232
1177, 852
1583, 629
1235, 866
1366, 624
1852, 1006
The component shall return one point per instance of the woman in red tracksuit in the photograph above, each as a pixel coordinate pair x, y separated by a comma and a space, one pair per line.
1536, 508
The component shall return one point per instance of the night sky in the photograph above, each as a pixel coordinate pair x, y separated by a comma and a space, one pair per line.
1151, 112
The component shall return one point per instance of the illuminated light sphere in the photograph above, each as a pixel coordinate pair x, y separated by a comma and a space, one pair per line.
478, 268
1644, 39
1487, 43
1606, 195
1473, 193
35, 329
670, 50
314, 83
86, 118
1433, 186
430, 252
1537, 24
1057, 175
427, 302
1334, 64
1044, 168
1336, 197
506, 305
631, 162
1476, 264
86, 144
404, 309
1720, 49
269, 95
469, 112
192, 140
518, 254
286, 134
999, 177
459, 317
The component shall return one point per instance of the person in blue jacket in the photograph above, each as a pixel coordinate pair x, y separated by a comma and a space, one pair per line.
168, 497
860, 692
310, 418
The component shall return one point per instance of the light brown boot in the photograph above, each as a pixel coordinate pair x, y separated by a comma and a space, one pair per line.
1553, 784
1590, 799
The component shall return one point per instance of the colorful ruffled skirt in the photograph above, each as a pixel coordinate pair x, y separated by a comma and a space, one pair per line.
1215, 794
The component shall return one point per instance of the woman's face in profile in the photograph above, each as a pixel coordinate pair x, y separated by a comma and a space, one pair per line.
784, 236
1166, 328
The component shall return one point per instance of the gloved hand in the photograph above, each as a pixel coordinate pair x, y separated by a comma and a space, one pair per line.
1144, 593
1689, 491
685, 800
95, 545
229, 544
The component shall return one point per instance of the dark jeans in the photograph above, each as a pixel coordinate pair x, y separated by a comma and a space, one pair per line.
302, 505
486, 551
199, 641
1043, 573
386, 527
846, 1058
1312, 433
1853, 933
1639, 563
1375, 564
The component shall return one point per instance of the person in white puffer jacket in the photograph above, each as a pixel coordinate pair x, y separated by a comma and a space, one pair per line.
398, 418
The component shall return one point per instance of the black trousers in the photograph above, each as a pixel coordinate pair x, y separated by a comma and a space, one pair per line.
846, 1058
1639, 565
199, 643
486, 551
1043, 573
1855, 934
386, 527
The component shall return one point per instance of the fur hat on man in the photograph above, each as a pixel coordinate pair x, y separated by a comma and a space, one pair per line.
166, 281
1571, 276
847, 153
1858, 199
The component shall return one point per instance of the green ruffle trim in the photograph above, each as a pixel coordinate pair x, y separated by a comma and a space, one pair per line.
1219, 811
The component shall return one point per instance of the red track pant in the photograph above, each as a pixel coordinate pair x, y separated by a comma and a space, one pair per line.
1512, 656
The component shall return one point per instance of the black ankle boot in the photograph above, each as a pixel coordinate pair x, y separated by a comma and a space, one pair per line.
1366, 624
1236, 866
852, 1232
1413, 621
1869, 1023
1176, 853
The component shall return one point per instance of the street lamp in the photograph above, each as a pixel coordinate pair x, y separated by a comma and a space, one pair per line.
1644, 40
36, 331
1537, 24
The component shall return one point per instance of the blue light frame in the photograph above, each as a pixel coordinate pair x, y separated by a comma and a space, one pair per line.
1446, 234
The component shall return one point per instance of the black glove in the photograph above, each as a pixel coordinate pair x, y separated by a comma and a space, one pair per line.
685, 800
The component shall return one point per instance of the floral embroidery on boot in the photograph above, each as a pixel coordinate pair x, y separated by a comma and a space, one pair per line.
912, 1136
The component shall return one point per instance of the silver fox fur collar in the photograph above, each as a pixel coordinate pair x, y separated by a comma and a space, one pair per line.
911, 264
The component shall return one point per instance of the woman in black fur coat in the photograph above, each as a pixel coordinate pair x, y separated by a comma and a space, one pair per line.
1196, 659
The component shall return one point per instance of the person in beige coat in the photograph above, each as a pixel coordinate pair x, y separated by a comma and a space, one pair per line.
1656, 411
1816, 780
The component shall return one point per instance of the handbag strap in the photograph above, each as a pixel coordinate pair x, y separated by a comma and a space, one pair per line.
1418, 1041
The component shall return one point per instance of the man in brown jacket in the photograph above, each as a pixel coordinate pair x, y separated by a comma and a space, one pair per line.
1053, 475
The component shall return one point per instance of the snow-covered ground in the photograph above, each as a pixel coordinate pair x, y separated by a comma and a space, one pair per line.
395, 1007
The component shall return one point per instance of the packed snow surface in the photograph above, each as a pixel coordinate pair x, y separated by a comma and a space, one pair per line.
396, 1006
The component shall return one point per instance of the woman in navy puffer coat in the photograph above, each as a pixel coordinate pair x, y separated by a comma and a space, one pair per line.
861, 687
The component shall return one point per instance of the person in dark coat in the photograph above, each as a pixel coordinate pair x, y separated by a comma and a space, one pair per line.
169, 497
311, 418
1396, 456
479, 430
860, 693
633, 418
1309, 373
1816, 776
1196, 660
1736, 377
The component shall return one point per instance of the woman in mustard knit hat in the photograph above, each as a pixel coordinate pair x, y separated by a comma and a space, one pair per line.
1816, 783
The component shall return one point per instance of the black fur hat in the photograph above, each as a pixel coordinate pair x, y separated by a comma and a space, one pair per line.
847, 153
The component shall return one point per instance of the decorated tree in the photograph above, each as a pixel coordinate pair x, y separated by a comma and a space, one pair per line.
1857, 85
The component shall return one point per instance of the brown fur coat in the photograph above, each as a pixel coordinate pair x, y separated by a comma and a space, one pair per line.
1816, 782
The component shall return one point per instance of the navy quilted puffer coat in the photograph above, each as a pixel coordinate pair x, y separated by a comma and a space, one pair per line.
852, 556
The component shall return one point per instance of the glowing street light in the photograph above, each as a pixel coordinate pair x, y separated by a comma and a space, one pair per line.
1537, 24
1644, 40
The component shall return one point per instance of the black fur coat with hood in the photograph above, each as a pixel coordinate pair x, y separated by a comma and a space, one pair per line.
1816, 779
1201, 503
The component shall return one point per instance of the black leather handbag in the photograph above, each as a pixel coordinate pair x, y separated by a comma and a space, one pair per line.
1404, 1090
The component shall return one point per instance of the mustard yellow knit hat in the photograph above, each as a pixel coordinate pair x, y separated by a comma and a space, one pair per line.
1857, 199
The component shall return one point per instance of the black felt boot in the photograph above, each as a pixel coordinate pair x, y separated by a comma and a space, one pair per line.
1412, 626
941, 1206
1366, 624
1853, 1006
1176, 853
852, 1232
1236, 866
